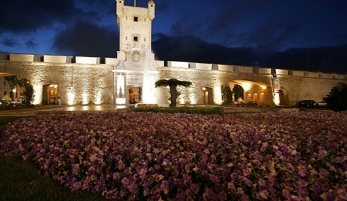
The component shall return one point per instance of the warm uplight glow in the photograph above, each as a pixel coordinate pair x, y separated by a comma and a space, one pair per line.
182, 101
98, 108
120, 85
120, 100
263, 87
85, 98
246, 86
192, 98
120, 107
98, 95
70, 96
277, 99
217, 93
37, 94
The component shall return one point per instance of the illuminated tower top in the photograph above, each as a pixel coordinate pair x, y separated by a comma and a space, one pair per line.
135, 24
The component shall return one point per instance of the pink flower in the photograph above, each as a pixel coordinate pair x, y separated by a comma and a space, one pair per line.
164, 186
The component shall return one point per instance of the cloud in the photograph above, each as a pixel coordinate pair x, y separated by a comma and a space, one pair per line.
87, 39
20, 16
24, 16
9, 42
31, 44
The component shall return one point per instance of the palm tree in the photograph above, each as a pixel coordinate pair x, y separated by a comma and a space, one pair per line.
172, 83
13, 81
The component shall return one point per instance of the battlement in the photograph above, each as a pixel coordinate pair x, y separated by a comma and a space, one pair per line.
58, 59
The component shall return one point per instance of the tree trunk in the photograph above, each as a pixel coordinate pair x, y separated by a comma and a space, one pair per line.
173, 96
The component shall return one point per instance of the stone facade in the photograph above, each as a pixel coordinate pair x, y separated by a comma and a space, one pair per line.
94, 83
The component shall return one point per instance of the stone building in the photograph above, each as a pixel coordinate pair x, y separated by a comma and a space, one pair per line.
129, 78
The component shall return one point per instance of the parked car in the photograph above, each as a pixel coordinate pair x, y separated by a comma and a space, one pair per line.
322, 104
3, 102
251, 103
306, 103
240, 103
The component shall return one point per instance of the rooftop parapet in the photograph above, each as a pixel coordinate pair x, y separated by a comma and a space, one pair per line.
245, 69
281, 72
111, 61
264, 71
57, 59
87, 60
178, 64
21, 57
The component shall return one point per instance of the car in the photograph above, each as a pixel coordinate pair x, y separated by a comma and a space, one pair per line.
3, 102
240, 103
251, 103
322, 104
306, 103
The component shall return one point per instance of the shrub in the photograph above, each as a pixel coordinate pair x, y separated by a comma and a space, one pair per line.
337, 97
189, 110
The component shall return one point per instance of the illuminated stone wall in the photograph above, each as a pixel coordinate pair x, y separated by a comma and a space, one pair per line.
77, 83
89, 82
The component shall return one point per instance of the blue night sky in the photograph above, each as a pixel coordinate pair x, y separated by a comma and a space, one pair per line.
88, 27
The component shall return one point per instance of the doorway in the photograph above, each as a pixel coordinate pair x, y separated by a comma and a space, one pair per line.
134, 95
49, 93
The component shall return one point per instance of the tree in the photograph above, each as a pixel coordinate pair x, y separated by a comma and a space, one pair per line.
28, 92
227, 95
337, 97
238, 92
13, 81
172, 83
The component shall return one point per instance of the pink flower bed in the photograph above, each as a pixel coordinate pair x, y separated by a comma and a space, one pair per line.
153, 156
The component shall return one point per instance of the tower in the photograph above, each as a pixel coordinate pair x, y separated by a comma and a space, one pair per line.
135, 71
135, 25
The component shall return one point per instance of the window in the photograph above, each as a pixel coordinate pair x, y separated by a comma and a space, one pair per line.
136, 19
136, 38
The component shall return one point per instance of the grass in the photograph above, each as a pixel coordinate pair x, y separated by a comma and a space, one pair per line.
22, 180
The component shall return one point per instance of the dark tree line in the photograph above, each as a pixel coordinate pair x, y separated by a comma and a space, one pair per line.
193, 49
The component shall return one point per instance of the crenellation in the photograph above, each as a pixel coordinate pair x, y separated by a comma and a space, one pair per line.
203, 66
4, 56
87, 60
225, 67
281, 72
22, 57
264, 70
179, 64
298, 73
57, 59
112, 61
246, 69
313, 74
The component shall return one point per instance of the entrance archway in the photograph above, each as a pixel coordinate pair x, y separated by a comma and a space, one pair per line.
207, 96
49, 94
255, 91
134, 95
